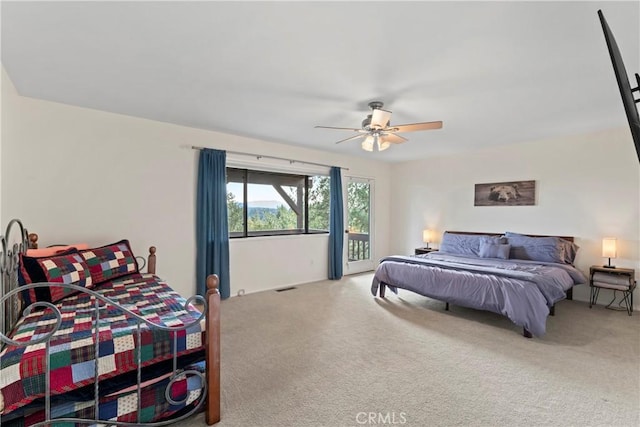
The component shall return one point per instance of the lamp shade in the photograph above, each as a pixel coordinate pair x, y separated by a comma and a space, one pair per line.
426, 236
609, 247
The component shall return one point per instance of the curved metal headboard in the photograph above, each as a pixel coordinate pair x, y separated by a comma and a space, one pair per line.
11, 246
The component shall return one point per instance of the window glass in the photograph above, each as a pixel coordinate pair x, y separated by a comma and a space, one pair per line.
319, 203
235, 197
276, 203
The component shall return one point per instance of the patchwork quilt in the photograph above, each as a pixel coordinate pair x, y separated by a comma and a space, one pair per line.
72, 357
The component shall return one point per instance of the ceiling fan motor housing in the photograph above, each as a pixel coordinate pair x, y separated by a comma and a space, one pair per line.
366, 122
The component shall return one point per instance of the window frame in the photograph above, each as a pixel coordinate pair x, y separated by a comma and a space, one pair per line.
243, 174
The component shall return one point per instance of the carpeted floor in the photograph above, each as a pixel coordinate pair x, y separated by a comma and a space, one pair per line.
330, 354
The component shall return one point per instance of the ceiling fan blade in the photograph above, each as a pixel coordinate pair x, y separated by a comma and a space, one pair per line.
362, 135
380, 118
416, 126
393, 138
333, 127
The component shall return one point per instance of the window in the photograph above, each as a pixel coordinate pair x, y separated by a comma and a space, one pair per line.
267, 203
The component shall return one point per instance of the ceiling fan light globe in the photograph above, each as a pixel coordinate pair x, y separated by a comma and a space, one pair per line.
367, 144
383, 145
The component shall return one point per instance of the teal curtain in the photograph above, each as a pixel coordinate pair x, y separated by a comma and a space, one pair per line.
212, 231
336, 224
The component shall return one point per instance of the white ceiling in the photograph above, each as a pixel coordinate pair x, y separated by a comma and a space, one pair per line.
493, 72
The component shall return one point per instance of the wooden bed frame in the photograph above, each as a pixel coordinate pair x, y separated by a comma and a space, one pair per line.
212, 335
552, 309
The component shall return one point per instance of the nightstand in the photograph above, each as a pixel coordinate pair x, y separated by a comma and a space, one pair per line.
420, 251
617, 279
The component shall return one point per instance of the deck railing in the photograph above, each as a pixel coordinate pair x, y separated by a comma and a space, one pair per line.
358, 246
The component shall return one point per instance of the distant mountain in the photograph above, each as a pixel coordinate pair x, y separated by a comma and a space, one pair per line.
269, 204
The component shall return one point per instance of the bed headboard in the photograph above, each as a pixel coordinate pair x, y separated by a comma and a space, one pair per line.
12, 243
569, 238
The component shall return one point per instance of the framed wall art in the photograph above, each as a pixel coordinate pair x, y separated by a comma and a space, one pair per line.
513, 193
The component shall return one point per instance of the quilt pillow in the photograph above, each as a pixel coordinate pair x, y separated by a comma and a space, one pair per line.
110, 261
69, 269
543, 249
466, 244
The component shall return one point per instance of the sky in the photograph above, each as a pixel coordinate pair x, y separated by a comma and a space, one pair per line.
256, 192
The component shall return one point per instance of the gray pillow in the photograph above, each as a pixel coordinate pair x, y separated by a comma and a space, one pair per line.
494, 250
466, 244
543, 249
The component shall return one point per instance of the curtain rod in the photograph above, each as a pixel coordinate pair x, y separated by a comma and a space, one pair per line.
262, 156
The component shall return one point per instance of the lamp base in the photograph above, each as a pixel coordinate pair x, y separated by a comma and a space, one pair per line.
609, 265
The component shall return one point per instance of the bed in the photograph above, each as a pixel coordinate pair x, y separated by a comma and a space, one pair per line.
516, 275
87, 337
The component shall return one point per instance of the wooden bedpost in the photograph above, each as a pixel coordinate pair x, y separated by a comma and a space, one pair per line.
151, 264
33, 241
213, 350
382, 288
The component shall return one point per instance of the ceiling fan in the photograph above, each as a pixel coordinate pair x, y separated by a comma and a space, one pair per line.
378, 132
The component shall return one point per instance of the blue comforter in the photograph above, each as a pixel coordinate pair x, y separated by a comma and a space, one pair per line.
521, 290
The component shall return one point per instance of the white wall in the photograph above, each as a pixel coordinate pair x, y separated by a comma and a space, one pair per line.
588, 186
79, 175
6, 116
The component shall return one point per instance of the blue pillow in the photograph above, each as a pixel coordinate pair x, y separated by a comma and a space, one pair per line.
543, 249
494, 250
466, 244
